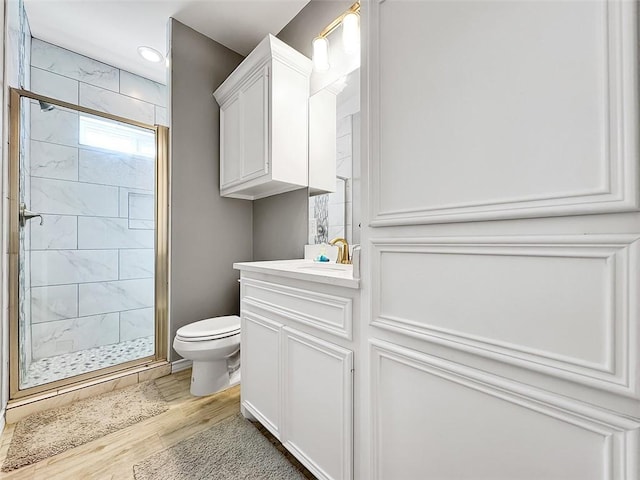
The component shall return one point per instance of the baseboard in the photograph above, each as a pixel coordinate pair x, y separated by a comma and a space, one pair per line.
180, 365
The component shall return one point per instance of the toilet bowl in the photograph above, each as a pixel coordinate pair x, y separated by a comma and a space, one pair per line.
213, 345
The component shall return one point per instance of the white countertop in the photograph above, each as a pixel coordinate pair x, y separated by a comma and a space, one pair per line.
321, 272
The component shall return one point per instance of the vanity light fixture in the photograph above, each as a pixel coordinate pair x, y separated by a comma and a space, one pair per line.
320, 54
150, 54
350, 21
351, 33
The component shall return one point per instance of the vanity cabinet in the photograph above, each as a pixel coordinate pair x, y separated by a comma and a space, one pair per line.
264, 123
297, 367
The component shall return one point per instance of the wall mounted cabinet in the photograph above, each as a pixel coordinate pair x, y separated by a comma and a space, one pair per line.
264, 123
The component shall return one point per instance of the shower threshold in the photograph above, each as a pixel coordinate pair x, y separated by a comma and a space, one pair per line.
68, 365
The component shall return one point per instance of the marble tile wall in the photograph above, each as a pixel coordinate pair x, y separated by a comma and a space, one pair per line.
51, 58
121, 295
332, 211
137, 323
115, 103
58, 267
50, 338
56, 302
93, 259
120, 170
68, 75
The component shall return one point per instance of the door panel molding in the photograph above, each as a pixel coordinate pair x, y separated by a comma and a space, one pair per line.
617, 436
614, 166
608, 362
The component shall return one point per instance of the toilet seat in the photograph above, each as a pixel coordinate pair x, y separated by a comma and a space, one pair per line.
210, 329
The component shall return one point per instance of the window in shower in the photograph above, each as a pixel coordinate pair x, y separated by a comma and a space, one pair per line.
114, 137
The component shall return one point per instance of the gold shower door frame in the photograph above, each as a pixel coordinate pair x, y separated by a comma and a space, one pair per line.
161, 249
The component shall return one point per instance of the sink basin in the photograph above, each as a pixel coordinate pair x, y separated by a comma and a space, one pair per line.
330, 273
338, 267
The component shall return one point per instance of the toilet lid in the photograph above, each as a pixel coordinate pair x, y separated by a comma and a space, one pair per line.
210, 329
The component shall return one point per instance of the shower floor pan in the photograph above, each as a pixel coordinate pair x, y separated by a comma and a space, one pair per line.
69, 364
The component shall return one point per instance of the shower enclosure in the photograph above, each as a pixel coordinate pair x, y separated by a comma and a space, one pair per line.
88, 246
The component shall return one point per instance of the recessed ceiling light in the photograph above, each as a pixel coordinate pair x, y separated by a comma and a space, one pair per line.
150, 54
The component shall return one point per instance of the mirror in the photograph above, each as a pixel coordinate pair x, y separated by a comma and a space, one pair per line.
334, 161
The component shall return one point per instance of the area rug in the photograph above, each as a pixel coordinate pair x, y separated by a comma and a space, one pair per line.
232, 449
54, 431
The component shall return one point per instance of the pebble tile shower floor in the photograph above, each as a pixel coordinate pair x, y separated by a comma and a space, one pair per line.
70, 364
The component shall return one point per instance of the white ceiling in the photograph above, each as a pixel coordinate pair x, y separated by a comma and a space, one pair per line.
112, 30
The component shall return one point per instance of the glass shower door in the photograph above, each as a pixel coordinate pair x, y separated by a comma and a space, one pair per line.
86, 235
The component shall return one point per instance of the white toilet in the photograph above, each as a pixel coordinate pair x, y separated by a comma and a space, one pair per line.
213, 345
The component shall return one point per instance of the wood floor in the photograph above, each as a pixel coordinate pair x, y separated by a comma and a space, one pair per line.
113, 456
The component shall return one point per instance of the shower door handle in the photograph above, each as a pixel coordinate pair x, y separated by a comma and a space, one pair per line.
28, 215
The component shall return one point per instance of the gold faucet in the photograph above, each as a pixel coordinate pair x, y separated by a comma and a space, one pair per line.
343, 250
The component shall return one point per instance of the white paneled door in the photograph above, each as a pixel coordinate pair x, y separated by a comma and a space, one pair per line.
502, 263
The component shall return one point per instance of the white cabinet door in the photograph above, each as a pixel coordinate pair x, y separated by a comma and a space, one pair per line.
230, 145
255, 126
261, 370
271, 87
318, 388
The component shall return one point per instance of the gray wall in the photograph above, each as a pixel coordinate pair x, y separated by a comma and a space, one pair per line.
280, 223
208, 232
280, 226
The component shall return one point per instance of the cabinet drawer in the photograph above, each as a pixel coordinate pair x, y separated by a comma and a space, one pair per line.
329, 313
